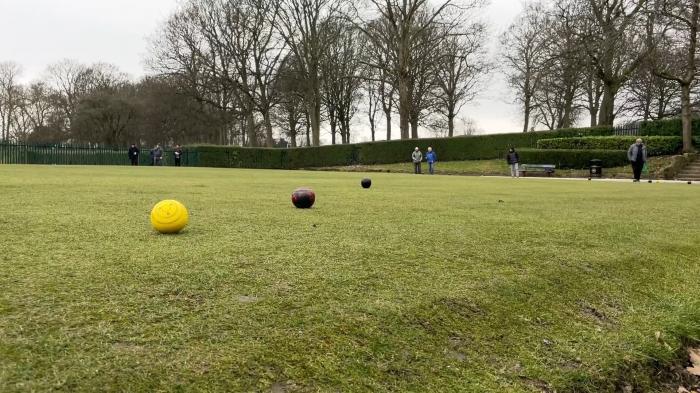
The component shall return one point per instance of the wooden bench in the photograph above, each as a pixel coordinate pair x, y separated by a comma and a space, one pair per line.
547, 169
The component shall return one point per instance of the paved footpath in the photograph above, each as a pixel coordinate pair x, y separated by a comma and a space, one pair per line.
596, 180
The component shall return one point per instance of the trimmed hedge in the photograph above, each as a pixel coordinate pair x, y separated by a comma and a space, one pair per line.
670, 127
236, 157
479, 147
656, 145
572, 158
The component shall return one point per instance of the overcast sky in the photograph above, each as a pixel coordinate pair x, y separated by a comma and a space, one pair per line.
36, 33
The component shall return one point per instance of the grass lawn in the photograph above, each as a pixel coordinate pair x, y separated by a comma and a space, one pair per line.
424, 284
500, 168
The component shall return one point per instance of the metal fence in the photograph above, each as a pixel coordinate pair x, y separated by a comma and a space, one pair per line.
19, 153
629, 129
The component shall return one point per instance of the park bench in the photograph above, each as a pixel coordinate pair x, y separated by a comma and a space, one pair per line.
547, 169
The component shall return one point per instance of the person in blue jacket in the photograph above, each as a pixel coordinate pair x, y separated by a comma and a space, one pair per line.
431, 157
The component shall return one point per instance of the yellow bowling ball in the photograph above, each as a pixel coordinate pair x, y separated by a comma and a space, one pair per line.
169, 216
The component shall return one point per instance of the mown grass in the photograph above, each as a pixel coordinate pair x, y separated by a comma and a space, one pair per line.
418, 284
500, 168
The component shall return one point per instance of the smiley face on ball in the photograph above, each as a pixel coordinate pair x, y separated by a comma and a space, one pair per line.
169, 216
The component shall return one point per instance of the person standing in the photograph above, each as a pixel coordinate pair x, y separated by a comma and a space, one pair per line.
431, 158
637, 154
134, 155
513, 161
417, 157
158, 155
178, 155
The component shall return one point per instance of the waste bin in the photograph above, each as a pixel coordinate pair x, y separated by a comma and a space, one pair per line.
595, 168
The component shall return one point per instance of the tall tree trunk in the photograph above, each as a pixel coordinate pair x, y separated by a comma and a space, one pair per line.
404, 107
334, 127
606, 117
387, 114
451, 123
345, 129
308, 129
250, 128
414, 127
316, 124
292, 123
268, 129
371, 128
687, 119
526, 120
243, 132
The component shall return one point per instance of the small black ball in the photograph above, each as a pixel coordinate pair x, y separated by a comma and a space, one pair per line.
650, 181
366, 183
690, 182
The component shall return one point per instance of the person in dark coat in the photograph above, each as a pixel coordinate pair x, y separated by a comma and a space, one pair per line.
134, 155
637, 154
178, 155
513, 161
157, 153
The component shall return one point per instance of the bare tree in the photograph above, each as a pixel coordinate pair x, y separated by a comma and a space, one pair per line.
616, 41
300, 26
423, 82
525, 48
680, 20
373, 103
289, 115
190, 48
40, 104
10, 98
399, 31
651, 97
593, 88
459, 68
342, 74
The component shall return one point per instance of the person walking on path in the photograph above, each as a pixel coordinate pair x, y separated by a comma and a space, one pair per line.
417, 157
178, 155
134, 155
513, 161
637, 154
431, 158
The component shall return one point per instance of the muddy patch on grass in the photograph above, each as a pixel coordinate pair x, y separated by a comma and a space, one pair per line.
127, 347
605, 314
247, 299
657, 376
538, 385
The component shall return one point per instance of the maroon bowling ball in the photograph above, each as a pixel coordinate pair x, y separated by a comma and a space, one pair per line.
303, 198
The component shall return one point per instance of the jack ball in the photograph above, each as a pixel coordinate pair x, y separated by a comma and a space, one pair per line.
169, 216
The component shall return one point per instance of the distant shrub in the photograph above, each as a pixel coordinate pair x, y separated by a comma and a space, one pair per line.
656, 145
573, 158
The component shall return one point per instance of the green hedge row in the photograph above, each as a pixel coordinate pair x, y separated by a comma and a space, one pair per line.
656, 145
572, 158
479, 147
265, 158
670, 127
